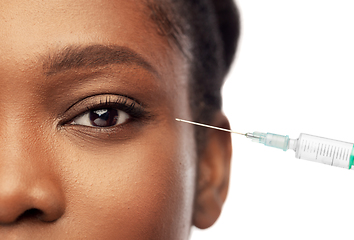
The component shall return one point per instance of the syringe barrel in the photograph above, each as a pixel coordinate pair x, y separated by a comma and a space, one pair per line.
270, 139
324, 150
309, 147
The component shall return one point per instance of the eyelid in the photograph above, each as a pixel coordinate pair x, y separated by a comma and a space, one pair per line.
123, 103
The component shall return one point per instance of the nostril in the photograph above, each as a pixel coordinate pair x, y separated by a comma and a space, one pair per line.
30, 214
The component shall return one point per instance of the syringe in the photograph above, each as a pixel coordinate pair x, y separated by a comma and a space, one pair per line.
309, 147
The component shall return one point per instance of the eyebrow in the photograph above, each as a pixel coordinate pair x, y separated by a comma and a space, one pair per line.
92, 56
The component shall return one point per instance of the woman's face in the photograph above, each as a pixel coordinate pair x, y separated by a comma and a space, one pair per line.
89, 146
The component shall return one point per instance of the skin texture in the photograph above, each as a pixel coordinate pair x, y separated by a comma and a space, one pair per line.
138, 180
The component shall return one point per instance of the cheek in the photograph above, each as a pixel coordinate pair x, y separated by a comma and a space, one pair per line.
144, 187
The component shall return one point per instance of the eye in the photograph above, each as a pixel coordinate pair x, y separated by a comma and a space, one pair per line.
105, 117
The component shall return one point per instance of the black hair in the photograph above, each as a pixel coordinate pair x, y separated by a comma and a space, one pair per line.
207, 32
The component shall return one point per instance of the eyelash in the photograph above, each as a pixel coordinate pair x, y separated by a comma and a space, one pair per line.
128, 105
120, 104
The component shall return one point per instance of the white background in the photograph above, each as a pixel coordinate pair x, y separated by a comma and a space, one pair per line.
293, 74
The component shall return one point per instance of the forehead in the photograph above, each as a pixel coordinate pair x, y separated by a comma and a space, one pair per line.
35, 27
32, 20
31, 29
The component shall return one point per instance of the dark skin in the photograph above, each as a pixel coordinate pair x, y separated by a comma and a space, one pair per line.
89, 145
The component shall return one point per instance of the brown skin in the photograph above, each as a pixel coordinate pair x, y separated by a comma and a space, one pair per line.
135, 180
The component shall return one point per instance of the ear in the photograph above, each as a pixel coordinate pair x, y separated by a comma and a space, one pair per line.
213, 176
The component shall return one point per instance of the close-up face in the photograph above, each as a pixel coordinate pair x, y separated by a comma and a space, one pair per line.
90, 148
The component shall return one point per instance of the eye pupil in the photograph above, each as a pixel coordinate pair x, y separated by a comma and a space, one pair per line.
104, 117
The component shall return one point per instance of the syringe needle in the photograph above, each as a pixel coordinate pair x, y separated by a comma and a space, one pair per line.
209, 126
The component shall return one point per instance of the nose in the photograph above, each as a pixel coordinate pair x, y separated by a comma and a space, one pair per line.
29, 189
21, 200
